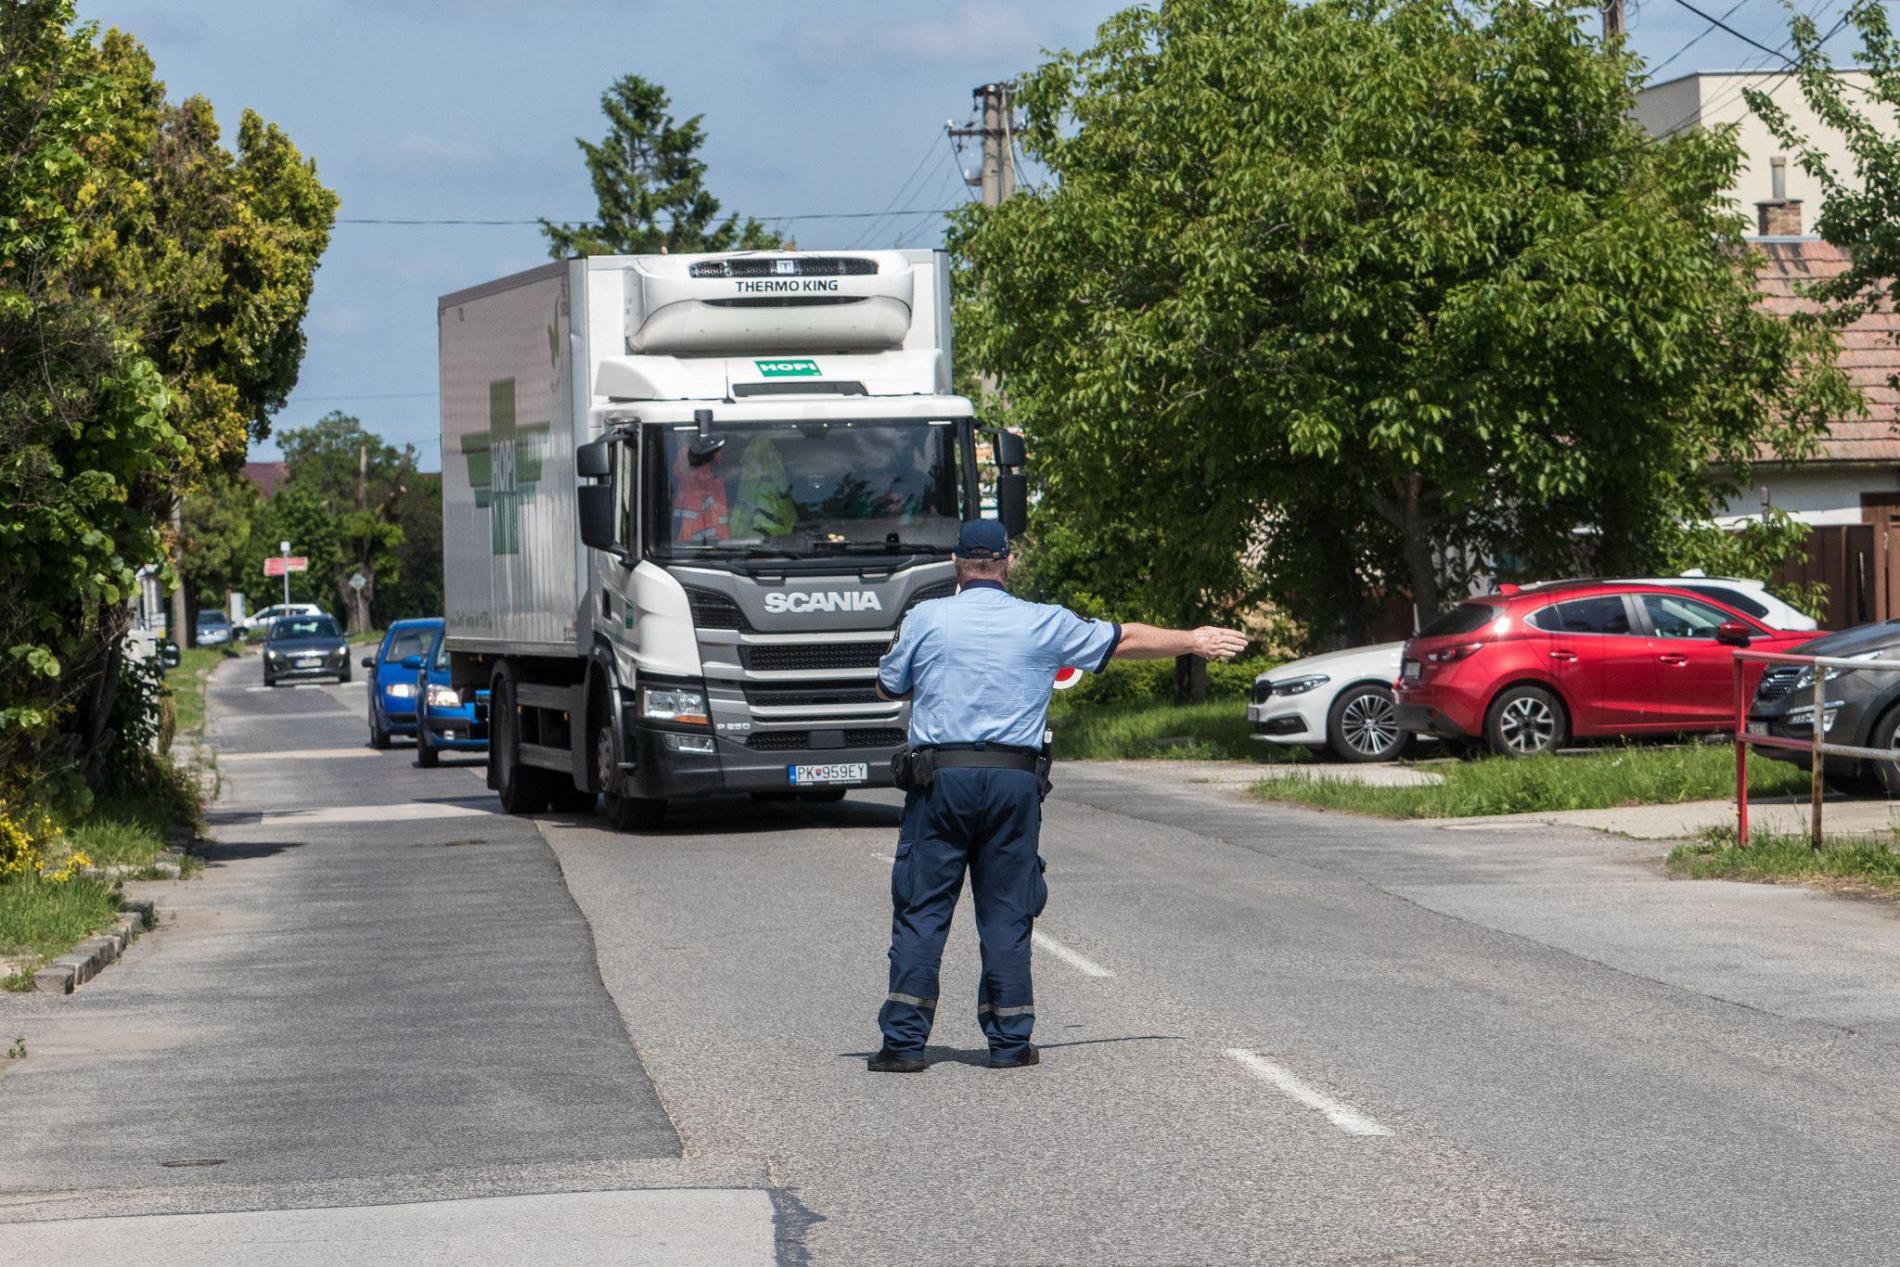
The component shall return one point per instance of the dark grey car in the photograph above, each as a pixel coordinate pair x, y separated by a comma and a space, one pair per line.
1860, 707
305, 647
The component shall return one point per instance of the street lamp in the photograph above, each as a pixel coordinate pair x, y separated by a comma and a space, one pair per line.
283, 549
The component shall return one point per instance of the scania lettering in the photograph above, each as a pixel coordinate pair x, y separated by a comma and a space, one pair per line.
687, 501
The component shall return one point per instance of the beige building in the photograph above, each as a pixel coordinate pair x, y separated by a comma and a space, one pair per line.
1714, 98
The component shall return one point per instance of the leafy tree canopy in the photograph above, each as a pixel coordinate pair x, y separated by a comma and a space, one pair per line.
1334, 302
649, 182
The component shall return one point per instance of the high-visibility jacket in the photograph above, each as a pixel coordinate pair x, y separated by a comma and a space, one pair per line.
699, 501
764, 505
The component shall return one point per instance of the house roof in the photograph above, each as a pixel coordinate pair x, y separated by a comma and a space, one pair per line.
267, 476
1869, 349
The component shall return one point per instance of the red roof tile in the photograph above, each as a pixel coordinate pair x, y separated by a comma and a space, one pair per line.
1869, 351
268, 476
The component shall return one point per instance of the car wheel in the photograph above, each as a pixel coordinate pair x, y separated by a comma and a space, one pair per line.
1886, 734
623, 813
522, 789
1525, 721
428, 756
269, 680
378, 737
1363, 725
343, 678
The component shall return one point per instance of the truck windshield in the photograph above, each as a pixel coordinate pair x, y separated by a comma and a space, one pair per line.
808, 488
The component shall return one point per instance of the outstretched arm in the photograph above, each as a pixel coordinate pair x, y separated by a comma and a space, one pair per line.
1149, 642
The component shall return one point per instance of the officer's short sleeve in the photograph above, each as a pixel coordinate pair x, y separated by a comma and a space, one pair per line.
894, 670
1084, 644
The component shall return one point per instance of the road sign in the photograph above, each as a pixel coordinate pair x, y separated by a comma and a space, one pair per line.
284, 565
358, 581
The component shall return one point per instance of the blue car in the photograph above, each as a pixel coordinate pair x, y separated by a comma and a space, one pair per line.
448, 720
395, 677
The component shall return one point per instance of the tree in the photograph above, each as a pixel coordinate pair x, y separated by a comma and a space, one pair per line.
216, 546
649, 184
1343, 300
417, 589
1861, 213
359, 480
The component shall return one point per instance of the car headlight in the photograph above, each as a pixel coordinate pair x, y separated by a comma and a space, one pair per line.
441, 696
1805, 678
1300, 685
665, 703
401, 690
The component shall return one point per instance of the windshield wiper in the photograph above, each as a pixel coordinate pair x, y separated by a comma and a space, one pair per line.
879, 547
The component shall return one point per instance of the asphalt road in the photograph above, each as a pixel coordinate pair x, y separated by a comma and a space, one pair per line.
1269, 1036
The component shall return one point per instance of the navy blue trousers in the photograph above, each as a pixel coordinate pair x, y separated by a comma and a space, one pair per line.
986, 822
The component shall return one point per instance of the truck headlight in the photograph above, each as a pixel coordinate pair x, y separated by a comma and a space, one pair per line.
441, 696
1300, 685
666, 703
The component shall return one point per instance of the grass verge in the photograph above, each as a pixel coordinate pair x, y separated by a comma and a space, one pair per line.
1866, 865
187, 684
1215, 731
39, 919
1625, 775
122, 831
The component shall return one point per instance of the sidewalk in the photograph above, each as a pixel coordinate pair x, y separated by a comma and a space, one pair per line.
1839, 817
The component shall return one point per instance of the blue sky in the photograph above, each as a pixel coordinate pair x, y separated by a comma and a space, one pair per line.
469, 109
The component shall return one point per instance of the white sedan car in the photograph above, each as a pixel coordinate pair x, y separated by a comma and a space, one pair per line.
1341, 700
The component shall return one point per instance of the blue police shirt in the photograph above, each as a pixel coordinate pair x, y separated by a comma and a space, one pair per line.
982, 664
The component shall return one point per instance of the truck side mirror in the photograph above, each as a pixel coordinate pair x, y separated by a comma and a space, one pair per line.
594, 461
1009, 449
596, 504
1012, 503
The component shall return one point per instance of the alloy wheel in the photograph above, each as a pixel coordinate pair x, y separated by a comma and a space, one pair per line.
1369, 723
1527, 725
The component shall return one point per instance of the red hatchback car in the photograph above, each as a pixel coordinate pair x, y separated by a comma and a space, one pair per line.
1525, 670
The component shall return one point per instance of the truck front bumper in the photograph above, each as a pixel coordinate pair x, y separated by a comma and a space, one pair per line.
667, 764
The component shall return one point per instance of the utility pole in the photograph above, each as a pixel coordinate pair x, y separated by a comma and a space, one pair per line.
359, 616
177, 621
1612, 20
996, 127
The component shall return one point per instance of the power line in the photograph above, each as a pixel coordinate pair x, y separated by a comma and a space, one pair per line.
1729, 95
375, 396
1719, 24
1704, 34
902, 189
815, 215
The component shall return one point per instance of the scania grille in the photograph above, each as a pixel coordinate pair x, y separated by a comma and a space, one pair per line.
808, 695
783, 657
1777, 682
861, 737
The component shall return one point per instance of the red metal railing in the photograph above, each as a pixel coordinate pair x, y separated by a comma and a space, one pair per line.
1815, 746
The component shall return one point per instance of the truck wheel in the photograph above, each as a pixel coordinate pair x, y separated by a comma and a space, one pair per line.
623, 813
1363, 725
1525, 721
522, 789
565, 798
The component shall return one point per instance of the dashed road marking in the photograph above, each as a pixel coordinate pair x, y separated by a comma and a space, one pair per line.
1080, 962
1344, 1116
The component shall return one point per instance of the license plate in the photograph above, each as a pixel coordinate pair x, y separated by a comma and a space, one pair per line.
1758, 728
841, 772
309, 662
1410, 671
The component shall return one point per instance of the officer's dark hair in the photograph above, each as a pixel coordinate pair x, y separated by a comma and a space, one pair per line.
982, 569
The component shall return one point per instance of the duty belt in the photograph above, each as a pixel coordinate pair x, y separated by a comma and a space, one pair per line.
994, 757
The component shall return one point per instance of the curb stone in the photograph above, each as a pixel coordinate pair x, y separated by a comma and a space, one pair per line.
68, 972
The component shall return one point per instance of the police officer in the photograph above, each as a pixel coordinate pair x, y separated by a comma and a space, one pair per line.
978, 669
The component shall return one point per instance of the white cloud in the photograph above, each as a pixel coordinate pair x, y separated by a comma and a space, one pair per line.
975, 31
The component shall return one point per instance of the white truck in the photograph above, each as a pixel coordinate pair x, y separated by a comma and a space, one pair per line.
687, 500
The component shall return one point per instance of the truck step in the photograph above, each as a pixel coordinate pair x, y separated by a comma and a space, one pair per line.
556, 697
547, 758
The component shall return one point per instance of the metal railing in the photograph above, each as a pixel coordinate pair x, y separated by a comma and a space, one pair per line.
1816, 746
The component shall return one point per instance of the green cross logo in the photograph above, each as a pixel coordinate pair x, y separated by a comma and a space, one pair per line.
504, 465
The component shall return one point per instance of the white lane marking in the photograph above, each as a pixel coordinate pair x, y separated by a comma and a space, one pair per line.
400, 811
300, 754
1344, 1116
1080, 962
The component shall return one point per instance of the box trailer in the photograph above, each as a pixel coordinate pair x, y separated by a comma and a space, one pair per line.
687, 500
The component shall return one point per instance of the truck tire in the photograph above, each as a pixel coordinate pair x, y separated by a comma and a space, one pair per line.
522, 789
1525, 721
623, 813
565, 798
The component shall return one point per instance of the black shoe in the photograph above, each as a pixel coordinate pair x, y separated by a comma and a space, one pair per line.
1027, 1057
888, 1061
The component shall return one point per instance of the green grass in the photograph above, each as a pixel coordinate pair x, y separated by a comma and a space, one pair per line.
187, 684
121, 831
39, 919
1626, 775
1859, 864
1215, 731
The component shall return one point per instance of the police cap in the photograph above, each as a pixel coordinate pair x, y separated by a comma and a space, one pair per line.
982, 539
